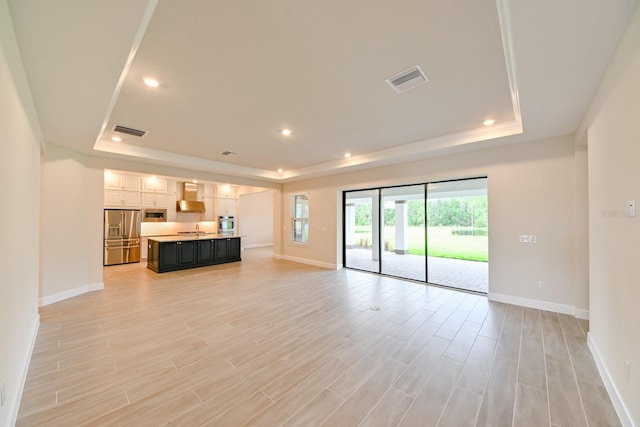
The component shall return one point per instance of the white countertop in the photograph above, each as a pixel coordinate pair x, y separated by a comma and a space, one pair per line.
201, 236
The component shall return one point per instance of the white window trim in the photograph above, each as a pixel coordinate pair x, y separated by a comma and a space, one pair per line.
293, 218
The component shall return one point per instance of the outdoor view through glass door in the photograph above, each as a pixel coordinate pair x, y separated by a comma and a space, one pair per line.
435, 232
457, 233
403, 230
361, 212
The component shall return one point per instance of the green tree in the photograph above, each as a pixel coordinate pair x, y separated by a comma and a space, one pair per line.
389, 217
458, 212
415, 213
363, 214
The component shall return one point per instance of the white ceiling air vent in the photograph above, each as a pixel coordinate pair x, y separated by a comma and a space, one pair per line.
407, 79
130, 131
227, 153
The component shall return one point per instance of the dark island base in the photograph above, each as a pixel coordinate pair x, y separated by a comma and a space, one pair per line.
192, 253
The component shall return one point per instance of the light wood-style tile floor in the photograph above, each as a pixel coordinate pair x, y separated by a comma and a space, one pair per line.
268, 343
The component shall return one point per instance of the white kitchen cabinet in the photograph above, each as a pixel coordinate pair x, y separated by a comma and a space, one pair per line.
226, 206
111, 181
209, 190
171, 207
154, 200
114, 181
117, 198
210, 209
154, 185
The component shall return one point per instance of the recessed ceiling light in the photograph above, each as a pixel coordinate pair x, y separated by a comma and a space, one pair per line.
195, 181
116, 138
347, 155
151, 82
286, 132
280, 170
489, 122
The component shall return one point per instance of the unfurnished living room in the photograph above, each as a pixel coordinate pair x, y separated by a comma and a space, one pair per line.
409, 213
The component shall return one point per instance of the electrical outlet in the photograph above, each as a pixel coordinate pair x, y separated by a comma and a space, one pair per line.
528, 238
627, 370
542, 284
2, 395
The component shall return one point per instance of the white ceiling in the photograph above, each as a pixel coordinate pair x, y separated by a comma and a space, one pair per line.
234, 73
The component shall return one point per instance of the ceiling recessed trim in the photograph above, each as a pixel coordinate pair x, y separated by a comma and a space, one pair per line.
506, 33
149, 155
142, 28
411, 151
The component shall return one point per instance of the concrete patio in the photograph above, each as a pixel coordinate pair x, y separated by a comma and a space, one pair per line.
467, 275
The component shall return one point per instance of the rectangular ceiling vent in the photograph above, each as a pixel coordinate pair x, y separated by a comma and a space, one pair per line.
130, 131
407, 79
227, 153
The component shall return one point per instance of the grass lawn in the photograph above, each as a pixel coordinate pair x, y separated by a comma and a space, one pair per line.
441, 243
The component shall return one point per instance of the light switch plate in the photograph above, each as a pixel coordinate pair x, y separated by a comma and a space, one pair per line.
631, 207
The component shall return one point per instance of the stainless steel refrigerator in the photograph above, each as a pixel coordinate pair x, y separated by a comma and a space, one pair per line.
121, 236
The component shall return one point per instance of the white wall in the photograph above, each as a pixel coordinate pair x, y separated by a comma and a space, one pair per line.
19, 220
531, 190
614, 259
255, 219
72, 200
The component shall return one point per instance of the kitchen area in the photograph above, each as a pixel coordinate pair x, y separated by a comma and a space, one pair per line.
174, 223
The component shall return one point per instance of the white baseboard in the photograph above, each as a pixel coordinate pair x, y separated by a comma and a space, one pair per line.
307, 261
71, 293
614, 395
581, 313
13, 411
258, 245
540, 305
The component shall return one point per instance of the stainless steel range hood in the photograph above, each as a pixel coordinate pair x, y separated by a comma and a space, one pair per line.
189, 202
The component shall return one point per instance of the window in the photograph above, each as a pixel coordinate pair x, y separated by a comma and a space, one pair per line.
300, 218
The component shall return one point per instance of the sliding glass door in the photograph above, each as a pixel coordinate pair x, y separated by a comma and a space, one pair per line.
433, 232
361, 230
457, 231
403, 228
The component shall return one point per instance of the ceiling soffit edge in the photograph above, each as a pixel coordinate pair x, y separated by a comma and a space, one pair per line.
415, 150
144, 24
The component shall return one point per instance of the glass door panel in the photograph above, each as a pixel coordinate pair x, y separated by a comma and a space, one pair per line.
457, 234
362, 230
403, 225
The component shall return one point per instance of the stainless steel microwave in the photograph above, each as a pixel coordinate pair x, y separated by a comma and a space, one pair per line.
154, 215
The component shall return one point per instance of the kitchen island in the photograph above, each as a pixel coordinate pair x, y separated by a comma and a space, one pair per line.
170, 253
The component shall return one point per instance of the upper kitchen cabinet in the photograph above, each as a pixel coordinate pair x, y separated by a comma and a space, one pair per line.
154, 200
121, 190
154, 193
114, 181
118, 198
154, 185
206, 194
226, 200
208, 190
226, 206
